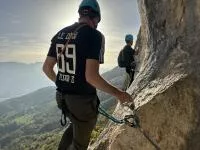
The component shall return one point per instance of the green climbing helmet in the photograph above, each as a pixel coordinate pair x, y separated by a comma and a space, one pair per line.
128, 38
90, 8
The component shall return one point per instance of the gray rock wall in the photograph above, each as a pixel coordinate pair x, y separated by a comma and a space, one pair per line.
167, 88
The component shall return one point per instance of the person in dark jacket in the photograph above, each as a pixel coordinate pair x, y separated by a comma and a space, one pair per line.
129, 53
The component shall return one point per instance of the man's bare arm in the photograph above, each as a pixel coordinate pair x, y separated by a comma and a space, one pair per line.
48, 68
94, 78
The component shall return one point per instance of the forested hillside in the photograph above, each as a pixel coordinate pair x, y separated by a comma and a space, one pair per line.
34, 118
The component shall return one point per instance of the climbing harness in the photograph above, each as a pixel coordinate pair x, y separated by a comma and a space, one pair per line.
130, 120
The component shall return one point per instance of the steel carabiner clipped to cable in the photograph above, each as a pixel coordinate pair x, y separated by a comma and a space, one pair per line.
132, 120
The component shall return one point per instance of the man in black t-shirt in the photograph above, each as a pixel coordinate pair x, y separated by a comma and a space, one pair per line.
78, 50
129, 53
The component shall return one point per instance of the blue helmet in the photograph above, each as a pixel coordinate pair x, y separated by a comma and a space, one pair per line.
128, 38
90, 8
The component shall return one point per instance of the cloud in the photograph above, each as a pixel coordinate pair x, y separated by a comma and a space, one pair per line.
28, 26
4, 42
15, 21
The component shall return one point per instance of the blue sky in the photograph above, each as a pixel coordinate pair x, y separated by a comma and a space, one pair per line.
27, 26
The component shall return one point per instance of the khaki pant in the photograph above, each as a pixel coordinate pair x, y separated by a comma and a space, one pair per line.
82, 112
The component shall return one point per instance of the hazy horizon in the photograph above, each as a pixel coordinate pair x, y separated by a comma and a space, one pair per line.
102, 68
18, 78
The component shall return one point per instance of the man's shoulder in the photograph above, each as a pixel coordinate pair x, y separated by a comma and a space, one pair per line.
95, 34
95, 31
128, 48
98, 32
64, 29
83, 28
68, 28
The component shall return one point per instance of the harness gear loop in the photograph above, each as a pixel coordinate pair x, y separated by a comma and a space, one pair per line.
63, 120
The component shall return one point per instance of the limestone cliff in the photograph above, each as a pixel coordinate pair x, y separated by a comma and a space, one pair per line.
167, 88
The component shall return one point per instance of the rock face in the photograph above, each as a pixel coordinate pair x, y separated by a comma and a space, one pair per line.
166, 90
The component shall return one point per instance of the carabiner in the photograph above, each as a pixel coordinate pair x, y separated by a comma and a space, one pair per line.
132, 120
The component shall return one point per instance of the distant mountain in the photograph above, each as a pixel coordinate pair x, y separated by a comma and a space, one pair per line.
34, 118
114, 73
19, 79
27, 102
30, 114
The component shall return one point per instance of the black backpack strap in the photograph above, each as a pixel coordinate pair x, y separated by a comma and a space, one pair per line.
76, 29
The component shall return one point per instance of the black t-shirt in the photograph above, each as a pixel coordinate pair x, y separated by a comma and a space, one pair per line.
129, 53
85, 43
